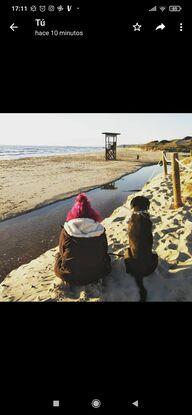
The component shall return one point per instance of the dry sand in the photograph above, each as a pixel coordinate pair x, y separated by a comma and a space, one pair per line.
32, 182
172, 280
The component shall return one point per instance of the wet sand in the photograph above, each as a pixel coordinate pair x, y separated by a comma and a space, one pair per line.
26, 184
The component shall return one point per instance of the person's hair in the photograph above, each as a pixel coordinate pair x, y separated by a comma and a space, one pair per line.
83, 209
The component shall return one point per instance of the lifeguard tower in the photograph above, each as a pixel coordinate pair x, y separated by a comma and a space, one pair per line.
111, 145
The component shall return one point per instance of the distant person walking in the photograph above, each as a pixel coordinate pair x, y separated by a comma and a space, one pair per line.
82, 257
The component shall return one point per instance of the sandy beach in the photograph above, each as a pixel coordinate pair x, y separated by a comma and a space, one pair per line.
172, 280
33, 182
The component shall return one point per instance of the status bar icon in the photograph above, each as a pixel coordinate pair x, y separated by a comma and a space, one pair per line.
33, 8
60, 8
175, 8
51, 8
42, 8
154, 9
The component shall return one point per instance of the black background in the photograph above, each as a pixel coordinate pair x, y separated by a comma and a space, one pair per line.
56, 351
113, 70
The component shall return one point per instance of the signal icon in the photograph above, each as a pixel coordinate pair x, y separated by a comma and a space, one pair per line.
154, 9
162, 8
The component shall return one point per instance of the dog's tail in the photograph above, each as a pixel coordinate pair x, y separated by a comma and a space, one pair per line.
142, 290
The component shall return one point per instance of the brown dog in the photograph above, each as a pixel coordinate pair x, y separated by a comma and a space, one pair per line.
139, 260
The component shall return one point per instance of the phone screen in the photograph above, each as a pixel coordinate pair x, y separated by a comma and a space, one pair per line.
95, 206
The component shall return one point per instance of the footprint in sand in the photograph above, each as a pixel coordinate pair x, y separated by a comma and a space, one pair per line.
169, 230
189, 247
118, 246
183, 257
157, 220
156, 203
175, 222
119, 219
164, 190
156, 237
172, 246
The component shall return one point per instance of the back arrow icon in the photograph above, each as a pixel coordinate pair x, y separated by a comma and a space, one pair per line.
161, 27
13, 27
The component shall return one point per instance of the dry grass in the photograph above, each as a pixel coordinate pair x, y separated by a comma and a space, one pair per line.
186, 181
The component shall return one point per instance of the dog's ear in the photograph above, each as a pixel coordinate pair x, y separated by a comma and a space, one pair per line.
132, 204
148, 203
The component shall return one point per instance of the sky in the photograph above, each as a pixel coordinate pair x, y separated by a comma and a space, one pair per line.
85, 129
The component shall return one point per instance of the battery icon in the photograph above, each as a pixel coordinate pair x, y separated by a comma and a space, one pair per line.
175, 8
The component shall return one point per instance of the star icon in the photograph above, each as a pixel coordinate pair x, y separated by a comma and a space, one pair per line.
137, 27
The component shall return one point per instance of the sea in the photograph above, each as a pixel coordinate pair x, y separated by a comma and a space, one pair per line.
17, 152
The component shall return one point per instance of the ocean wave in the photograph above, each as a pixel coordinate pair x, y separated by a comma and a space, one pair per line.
16, 152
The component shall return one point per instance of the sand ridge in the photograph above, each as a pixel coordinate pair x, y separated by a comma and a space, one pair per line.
172, 280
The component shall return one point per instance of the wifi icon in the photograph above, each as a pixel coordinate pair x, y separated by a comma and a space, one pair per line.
162, 8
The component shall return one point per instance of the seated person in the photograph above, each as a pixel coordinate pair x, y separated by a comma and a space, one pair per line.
82, 257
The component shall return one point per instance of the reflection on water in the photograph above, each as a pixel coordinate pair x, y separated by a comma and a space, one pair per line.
109, 186
29, 235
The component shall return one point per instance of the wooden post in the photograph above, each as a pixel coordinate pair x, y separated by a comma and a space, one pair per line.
164, 163
106, 145
176, 182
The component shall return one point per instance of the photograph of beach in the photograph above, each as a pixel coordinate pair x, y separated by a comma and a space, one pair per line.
88, 201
